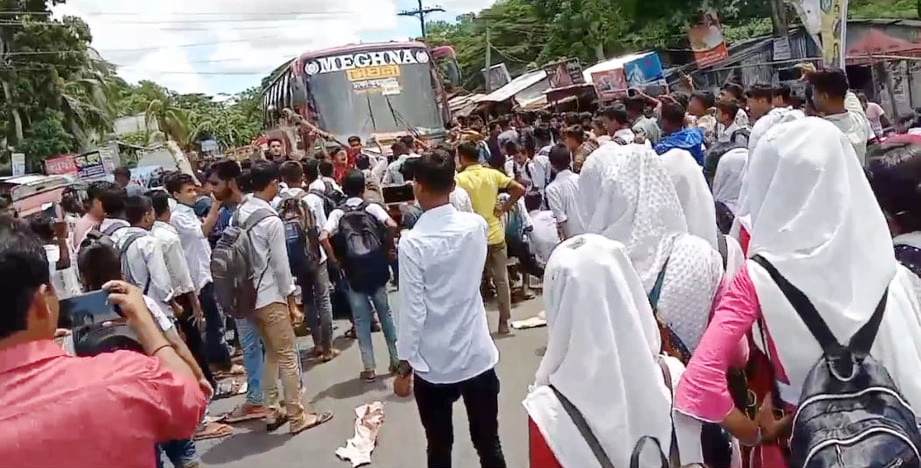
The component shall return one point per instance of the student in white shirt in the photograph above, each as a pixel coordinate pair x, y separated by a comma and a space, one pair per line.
128, 224
728, 131
318, 309
563, 193
617, 124
193, 235
326, 178
443, 337
393, 174
544, 234
276, 311
367, 273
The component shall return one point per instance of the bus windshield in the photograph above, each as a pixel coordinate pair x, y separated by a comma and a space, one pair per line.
371, 93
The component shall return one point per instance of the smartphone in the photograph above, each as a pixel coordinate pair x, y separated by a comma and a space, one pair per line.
86, 310
398, 193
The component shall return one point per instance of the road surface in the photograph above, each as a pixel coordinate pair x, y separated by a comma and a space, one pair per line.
401, 444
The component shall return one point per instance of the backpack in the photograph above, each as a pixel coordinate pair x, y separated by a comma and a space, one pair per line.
364, 252
301, 236
94, 236
744, 133
331, 197
851, 416
233, 268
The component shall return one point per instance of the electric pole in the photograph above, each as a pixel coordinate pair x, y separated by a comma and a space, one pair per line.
488, 58
420, 13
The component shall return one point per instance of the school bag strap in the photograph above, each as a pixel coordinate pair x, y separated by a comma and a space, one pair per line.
674, 456
656, 290
859, 344
582, 425
254, 219
723, 248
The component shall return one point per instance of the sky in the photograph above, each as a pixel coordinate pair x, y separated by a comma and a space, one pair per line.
226, 46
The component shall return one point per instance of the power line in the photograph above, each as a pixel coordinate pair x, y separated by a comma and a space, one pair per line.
420, 13
46, 66
13, 22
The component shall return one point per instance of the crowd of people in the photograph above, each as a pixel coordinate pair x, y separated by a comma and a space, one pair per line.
699, 255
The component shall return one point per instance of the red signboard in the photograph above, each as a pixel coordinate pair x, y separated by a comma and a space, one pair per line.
609, 83
63, 164
707, 40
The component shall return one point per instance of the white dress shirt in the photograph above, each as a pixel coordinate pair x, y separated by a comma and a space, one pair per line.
441, 321
562, 196
313, 202
461, 200
268, 237
146, 267
541, 172
174, 257
545, 235
194, 244
375, 210
320, 184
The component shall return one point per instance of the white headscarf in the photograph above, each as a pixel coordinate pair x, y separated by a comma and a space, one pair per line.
601, 355
816, 220
727, 183
693, 193
627, 196
773, 118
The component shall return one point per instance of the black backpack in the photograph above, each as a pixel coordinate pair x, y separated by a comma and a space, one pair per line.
910, 257
96, 236
850, 412
301, 237
362, 238
331, 197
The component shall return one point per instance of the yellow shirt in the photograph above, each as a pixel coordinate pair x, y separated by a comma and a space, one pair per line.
483, 184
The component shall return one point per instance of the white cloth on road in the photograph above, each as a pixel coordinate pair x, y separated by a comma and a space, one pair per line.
368, 421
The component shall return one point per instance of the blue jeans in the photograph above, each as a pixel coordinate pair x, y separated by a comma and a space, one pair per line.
181, 453
253, 359
361, 312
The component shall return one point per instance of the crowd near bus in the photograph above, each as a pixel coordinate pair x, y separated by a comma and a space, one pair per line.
730, 279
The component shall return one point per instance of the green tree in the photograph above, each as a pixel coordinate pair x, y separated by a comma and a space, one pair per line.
47, 137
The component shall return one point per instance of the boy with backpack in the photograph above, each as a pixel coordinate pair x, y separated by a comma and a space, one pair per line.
304, 214
253, 279
363, 230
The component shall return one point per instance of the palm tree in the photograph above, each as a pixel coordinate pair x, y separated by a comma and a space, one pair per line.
173, 121
88, 110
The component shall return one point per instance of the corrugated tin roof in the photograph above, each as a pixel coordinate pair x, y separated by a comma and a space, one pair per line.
515, 86
465, 104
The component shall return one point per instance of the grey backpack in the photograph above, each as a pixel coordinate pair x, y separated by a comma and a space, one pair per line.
233, 267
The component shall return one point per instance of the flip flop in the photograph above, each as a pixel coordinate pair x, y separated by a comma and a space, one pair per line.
213, 431
238, 415
322, 418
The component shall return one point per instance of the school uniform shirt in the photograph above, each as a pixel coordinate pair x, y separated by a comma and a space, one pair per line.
146, 268
174, 257
194, 244
540, 171
268, 238
544, 236
66, 283
624, 134
562, 198
648, 128
461, 200
375, 210
441, 322
313, 202
320, 184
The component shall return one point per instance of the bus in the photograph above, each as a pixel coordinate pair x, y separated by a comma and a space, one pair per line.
376, 91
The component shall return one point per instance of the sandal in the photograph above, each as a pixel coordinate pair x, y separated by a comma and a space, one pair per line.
275, 420
350, 334
246, 412
322, 418
329, 355
213, 430
368, 376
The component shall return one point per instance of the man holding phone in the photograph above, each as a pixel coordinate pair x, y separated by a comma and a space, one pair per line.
56, 401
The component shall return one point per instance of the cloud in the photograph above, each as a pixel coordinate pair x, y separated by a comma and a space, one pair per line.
212, 46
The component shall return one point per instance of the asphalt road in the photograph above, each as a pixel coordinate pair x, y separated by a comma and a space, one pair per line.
401, 444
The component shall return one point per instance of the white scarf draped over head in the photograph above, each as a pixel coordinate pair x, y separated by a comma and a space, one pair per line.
816, 220
762, 126
693, 193
626, 195
727, 183
601, 355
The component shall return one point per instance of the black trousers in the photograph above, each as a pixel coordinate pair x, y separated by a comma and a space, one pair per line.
195, 343
481, 397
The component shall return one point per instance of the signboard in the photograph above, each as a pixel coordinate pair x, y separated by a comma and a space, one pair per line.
564, 73
497, 77
707, 41
360, 60
109, 155
61, 165
609, 83
18, 161
90, 165
834, 28
644, 71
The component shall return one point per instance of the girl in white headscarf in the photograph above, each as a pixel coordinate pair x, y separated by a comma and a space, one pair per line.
815, 219
727, 186
602, 357
626, 195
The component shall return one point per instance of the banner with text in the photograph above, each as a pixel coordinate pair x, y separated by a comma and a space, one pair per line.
61, 165
609, 83
707, 41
